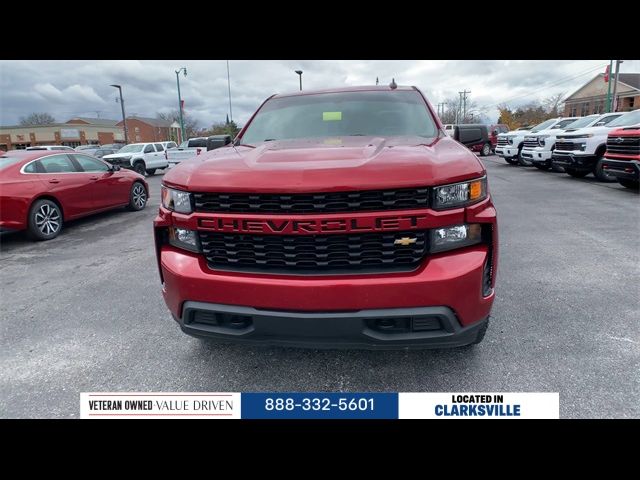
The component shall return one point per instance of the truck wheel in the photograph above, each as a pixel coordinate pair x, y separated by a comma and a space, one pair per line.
601, 174
523, 161
137, 197
139, 167
511, 161
151, 171
632, 184
45, 220
541, 166
576, 173
486, 150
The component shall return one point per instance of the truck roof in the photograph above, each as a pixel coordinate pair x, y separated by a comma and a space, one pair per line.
362, 88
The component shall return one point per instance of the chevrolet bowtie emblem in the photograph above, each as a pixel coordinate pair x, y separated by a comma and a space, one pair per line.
404, 241
619, 140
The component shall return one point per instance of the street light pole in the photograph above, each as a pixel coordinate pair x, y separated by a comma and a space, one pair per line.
180, 101
124, 118
299, 72
615, 87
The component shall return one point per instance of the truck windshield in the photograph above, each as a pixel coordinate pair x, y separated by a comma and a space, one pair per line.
365, 113
131, 148
627, 119
543, 125
582, 122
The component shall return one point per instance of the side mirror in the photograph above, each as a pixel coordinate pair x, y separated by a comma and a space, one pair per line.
114, 168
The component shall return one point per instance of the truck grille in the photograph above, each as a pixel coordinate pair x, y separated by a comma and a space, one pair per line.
628, 145
401, 199
565, 146
502, 141
530, 143
313, 254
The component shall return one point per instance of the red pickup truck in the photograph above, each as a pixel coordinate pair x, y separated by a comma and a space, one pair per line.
341, 218
622, 158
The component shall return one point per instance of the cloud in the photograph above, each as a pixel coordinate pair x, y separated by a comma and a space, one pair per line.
82, 88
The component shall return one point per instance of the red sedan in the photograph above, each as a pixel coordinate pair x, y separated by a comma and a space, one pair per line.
41, 189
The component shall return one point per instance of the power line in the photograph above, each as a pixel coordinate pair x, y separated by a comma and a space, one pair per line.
558, 82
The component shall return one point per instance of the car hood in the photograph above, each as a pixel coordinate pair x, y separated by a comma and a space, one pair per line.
602, 130
328, 164
117, 155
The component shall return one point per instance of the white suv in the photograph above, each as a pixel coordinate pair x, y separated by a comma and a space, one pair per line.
144, 158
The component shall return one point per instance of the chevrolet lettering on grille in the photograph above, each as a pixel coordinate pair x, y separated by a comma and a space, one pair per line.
314, 226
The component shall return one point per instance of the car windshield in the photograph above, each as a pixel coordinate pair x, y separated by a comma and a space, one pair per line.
133, 148
627, 119
365, 113
582, 122
543, 125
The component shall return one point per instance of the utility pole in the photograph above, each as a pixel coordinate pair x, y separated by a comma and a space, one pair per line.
609, 86
615, 86
377, 81
229, 85
180, 101
464, 101
124, 118
459, 109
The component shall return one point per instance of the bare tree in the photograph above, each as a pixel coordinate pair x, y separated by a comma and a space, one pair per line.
453, 113
553, 103
37, 118
190, 123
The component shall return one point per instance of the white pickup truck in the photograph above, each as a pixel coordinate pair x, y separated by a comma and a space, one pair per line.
143, 158
538, 147
510, 144
581, 152
195, 146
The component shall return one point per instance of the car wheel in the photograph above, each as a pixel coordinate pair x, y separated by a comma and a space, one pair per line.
139, 167
137, 197
541, 166
45, 220
486, 150
512, 161
576, 173
632, 184
151, 171
601, 174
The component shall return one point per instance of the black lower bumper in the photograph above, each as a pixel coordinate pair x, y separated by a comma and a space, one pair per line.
624, 169
4, 230
395, 328
119, 162
575, 162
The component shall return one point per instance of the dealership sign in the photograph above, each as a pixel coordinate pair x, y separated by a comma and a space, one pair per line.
69, 133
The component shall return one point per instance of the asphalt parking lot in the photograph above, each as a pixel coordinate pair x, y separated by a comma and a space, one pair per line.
84, 312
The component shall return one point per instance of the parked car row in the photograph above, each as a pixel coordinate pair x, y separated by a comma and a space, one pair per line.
579, 146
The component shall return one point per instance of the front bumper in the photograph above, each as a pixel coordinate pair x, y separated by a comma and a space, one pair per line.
432, 327
122, 163
538, 155
507, 151
623, 169
574, 161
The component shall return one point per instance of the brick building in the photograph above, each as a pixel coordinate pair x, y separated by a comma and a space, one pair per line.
75, 132
146, 129
592, 97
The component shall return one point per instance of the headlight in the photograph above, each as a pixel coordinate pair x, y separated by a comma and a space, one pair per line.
185, 239
458, 236
586, 135
510, 140
541, 139
176, 200
460, 194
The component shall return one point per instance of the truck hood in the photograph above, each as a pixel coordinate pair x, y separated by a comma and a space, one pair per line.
328, 164
595, 131
549, 131
117, 155
515, 133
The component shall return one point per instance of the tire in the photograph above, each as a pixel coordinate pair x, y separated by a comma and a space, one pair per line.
486, 150
151, 171
521, 161
576, 173
511, 161
140, 168
631, 184
45, 220
137, 197
601, 174
541, 166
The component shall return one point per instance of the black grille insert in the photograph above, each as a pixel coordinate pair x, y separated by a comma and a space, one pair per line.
371, 200
312, 254
624, 145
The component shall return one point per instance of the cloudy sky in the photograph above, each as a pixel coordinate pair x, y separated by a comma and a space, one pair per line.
81, 88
